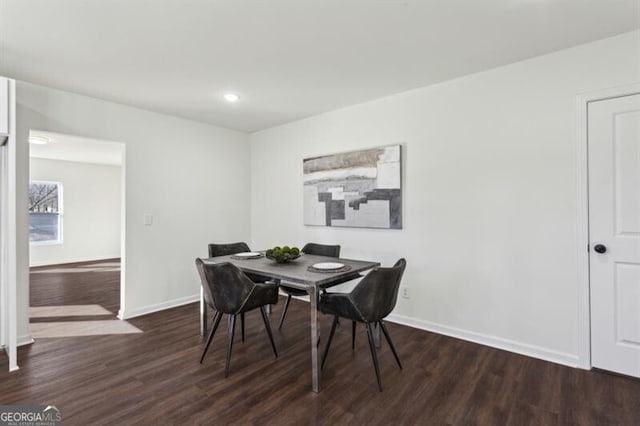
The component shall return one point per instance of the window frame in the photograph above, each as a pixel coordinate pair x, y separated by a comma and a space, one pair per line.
60, 214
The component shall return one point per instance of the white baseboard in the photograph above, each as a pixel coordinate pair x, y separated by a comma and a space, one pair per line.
533, 351
545, 354
144, 310
25, 339
303, 298
73, 260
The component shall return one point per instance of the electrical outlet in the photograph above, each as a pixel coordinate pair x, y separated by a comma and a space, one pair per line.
405, 292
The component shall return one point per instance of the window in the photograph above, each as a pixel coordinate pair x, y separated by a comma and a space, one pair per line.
45, 212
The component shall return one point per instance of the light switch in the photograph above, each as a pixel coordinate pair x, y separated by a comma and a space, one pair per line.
148, 220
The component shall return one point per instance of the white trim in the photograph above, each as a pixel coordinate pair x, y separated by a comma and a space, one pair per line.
526, 349
75, 260
25, 339
144, 310
303, 298
123, 224
47, 242
546, 354
4, 248
10, 238
582, 237
582, 214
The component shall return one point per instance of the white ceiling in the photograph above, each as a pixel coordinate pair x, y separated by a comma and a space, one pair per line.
74, 148
286, 59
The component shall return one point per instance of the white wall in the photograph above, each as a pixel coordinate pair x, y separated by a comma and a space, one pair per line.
91, 211
490, 193
193, 178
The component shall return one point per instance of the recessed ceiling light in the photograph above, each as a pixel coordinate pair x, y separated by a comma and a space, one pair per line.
39, 140
231, 97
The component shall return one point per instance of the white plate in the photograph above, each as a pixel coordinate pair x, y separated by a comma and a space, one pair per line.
247, 254
328, 265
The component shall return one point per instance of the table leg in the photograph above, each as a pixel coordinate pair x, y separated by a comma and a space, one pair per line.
315, 365
269, 308
203, 314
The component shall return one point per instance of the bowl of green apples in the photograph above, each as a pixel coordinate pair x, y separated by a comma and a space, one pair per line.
283, 254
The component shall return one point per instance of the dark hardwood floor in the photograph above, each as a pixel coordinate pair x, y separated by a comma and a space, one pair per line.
155, 378
83, 283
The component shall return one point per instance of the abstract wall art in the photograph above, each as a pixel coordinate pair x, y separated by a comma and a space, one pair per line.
354, 189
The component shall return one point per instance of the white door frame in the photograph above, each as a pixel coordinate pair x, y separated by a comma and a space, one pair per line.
8, 259
123, 227
584, 310
123, 213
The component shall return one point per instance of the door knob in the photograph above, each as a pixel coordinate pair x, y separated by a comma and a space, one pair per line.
600, 248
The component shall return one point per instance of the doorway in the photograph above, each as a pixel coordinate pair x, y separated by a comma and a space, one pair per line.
76, 233
613, 150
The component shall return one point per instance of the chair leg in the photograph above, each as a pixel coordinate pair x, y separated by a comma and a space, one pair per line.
326, 350
393, 349
232, 329
284, 311
263, 310
242, 325
216, 321
372, 346
353, 335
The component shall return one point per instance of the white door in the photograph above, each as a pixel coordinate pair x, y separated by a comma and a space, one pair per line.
614, 233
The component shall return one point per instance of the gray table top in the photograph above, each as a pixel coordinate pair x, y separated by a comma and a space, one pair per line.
296, 272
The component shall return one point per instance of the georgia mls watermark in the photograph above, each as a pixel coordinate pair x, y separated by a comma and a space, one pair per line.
30, 415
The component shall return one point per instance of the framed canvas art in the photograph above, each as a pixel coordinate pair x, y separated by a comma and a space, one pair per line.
360, 189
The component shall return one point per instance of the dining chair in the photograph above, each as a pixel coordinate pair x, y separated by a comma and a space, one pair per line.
309, 248
369, 302
226, 249
229, 291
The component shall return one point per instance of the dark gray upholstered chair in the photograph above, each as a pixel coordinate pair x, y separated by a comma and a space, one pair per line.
229, 291
322, 249
309, 248
227, 249
370, 302
233, 248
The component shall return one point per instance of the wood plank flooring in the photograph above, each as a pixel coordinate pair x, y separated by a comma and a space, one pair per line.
83, 283
155, 378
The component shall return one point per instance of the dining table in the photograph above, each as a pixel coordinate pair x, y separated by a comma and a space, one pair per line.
300, 274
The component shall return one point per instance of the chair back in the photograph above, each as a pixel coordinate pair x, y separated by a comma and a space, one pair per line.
225, 286
227, 249
321, 249
376, 295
